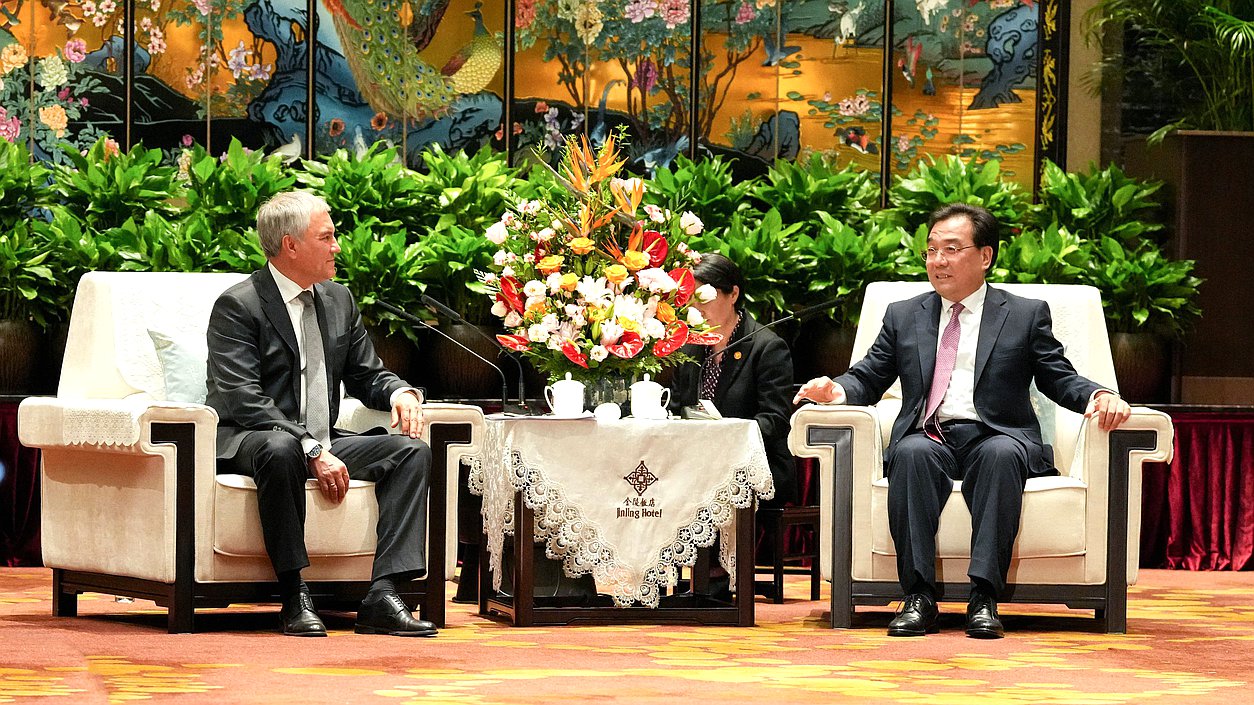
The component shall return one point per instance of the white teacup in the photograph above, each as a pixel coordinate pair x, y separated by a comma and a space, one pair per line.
649, 399
565, 397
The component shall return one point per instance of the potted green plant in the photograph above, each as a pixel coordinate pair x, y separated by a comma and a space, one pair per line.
374, 184
228, 190
473, 189
839, 261
377, 264
932, 184
1097, 203
105, 187
26, 282
764, 249
801, 190
1196, 60
1149, 300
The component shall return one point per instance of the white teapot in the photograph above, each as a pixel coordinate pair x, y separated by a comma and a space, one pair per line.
649, 399
565, 397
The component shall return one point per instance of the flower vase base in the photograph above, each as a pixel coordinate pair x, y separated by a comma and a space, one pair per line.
607, 390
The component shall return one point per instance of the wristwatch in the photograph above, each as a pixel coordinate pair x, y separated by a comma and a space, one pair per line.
314, 451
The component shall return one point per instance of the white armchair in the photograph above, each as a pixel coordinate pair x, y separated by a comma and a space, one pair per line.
1079, 531
131, 501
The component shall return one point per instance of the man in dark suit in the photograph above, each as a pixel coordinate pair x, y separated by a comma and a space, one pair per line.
280, 344
966, 355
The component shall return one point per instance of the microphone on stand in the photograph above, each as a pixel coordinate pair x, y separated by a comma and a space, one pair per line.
799, 315
415, 319
442, 308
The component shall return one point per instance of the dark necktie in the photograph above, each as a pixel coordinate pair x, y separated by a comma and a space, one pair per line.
946, 356
317, 404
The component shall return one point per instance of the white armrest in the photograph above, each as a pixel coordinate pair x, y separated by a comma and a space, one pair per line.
1092, 447
46, 422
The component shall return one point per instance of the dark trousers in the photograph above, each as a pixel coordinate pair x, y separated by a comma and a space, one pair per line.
993, 469
398, 465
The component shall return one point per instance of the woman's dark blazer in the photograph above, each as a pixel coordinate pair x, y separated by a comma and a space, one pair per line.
756, 384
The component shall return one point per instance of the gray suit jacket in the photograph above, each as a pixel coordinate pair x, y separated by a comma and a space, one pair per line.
1016, 346
254, 362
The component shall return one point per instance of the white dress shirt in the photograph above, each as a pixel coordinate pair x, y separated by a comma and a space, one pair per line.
959, 400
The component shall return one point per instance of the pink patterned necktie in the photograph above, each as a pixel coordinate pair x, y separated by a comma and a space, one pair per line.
946, 356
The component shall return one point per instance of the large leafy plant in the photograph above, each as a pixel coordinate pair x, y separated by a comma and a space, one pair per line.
228, 190
28, 289
375, 184
377, 264
107, 187
1051, 256
840, 260
23, 184
473, 189
1143, 290
764, 249
1098, 203
706, 187
1210, 43
802, 190
447, 258
931, 185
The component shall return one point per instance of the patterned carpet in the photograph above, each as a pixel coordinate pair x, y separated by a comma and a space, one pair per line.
1191, 642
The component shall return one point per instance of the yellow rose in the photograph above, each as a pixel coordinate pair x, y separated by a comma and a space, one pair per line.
11, 57
581, 245
629, 324
550, 264
54, 117
596, 314
615, 273
569, 281
665, 313
635, 260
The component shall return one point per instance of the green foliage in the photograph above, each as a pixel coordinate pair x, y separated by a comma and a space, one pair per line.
951, 180
1098, 203
801, 190
1052, 256
448, 258
227, 191
373, 185
1143, 290
707, 188
377, 264
28, 288
765, 251
475, 190
108, 187
840, 260
1213, 44
22, 184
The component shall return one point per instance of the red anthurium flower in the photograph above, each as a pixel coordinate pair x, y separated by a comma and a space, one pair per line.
628, 346
656, 247
517, 343
510, 294
707, 338
572, 353
672, 342
687, 284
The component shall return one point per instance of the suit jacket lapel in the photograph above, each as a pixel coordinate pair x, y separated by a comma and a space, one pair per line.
733, 366
320, 299
276, 309
991, 322
926, 324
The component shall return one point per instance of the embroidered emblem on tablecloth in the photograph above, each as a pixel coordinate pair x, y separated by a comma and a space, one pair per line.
641, 478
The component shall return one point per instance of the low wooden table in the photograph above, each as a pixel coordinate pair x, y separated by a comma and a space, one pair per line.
630, 502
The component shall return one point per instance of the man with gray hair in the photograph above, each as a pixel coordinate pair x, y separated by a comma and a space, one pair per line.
280, 345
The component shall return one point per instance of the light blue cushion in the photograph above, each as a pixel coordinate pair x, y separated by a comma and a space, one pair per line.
182, 365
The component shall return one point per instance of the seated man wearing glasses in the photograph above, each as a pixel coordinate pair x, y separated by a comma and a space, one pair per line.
966, 355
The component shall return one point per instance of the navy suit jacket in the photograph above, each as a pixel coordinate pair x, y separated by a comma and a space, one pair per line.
1015, 347
254, 362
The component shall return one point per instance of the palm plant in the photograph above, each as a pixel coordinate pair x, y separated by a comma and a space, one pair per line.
1212, 42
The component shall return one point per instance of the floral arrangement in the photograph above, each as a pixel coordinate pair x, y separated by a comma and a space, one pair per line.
62, 90
592, 284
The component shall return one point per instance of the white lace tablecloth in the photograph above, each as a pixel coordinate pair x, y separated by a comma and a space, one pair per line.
627, 501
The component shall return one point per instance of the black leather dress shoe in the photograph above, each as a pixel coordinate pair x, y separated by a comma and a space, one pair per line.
917, 616
299, 617
982, 621
389, 615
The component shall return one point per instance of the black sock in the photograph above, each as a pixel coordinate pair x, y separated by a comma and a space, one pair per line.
290, 583
379, 587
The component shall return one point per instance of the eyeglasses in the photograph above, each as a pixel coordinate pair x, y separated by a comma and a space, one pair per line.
947, 250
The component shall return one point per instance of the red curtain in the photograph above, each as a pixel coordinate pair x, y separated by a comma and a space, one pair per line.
19, 494
1198, 511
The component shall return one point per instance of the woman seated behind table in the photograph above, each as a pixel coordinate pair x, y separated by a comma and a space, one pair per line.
751, 380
